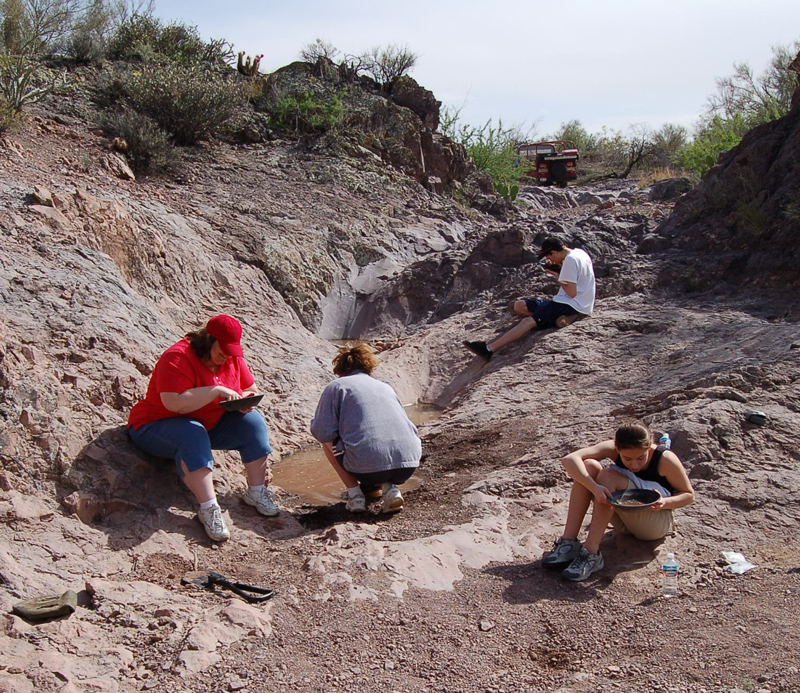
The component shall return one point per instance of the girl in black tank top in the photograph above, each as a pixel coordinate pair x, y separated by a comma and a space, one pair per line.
650, 472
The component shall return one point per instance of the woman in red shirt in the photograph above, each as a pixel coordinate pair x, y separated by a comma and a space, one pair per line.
181, 418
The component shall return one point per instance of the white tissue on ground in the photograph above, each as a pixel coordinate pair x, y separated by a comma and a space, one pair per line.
737, 563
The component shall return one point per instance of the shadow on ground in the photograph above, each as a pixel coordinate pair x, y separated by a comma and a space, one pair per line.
531, 582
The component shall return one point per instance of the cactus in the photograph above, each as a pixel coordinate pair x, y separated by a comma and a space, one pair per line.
507, 192
248, 68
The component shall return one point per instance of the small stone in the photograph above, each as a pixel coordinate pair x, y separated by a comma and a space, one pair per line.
486, 625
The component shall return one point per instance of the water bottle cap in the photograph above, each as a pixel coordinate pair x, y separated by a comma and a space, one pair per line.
670, 555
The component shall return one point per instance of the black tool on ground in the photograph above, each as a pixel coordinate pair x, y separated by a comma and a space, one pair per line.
759, 418
210, 578
53, 606
634, 498
241, 403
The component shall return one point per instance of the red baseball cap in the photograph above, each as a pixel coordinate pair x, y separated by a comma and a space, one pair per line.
228, 332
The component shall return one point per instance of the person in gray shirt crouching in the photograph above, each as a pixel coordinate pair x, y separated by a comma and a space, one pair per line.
365, 432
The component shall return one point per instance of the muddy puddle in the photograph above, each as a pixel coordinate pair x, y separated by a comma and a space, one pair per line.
309, 475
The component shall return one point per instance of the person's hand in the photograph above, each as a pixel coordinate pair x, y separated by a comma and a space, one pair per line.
248, 393
658, 505
601, 494
552, 273
226, 393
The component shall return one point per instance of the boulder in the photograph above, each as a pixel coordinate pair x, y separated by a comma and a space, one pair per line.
406, 92
669, 189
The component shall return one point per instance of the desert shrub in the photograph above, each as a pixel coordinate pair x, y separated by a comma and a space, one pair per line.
134, 38
305, 113
143, 37
87, 39
493, 150
149, 148
191, 103
387, 64
757, 98
318, 49
25, 81
36, 27
574, 131
667, 142
713, 137
611, 153
742, 101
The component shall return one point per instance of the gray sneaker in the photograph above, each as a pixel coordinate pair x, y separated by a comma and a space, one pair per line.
213, 522
262, 500
563, 553
583, 566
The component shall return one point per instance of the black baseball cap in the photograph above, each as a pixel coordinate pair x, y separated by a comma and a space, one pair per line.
549, 245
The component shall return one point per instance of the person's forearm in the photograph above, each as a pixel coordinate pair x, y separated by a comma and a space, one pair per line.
679, 500
190, 400
570, 289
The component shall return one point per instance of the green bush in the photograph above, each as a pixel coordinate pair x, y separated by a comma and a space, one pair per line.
145, 38
25, 81
305, 113
86, 42
714, 137
191, 103
149, 148
85, 46
492, 149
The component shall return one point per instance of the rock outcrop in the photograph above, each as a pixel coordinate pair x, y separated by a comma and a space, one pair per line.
400, 128
745, 214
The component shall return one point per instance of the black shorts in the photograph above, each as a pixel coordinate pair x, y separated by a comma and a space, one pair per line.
374, 480
369, 481
546, 311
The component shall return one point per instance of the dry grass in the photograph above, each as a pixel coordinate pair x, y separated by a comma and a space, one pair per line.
653, 176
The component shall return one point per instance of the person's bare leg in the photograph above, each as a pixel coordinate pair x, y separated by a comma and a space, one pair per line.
579, 500
347, 478
521, 308
200, 482
256, 471
515, 333
602, 512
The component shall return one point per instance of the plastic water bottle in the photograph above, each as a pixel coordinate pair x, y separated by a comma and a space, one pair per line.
669, 576
665, 441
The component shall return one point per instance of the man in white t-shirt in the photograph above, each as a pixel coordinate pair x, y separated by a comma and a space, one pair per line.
575, 297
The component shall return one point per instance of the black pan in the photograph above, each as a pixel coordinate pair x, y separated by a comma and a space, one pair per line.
243, 403
645, 496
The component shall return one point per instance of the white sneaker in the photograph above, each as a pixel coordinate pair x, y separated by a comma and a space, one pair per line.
213, 522
392, 499
262, 500
357, 504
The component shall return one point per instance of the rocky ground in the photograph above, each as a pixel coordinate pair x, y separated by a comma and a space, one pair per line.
99, 274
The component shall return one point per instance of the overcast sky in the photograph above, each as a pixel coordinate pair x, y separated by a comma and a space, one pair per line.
609, 63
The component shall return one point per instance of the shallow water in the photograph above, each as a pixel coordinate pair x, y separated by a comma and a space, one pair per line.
309, 474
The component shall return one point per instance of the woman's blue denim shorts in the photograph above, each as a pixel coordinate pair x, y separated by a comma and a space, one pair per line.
186, 440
